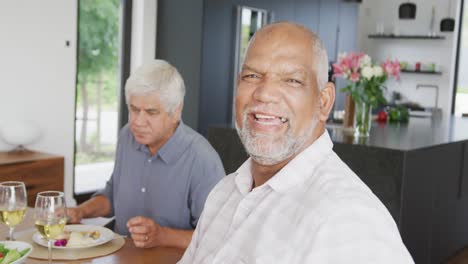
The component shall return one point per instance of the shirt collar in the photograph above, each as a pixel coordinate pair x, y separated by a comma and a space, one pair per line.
174, 147
295, 172
243, 178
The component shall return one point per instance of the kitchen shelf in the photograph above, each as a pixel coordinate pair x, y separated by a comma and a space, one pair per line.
422, 72
405, 36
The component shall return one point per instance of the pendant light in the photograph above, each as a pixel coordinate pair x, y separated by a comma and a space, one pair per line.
447, 24
407, 11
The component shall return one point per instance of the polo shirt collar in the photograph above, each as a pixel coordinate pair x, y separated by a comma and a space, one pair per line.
294, 173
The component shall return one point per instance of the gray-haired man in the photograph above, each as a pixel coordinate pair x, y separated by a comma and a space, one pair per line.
293, 200
163, 169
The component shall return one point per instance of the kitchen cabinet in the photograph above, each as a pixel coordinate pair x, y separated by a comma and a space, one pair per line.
39, 171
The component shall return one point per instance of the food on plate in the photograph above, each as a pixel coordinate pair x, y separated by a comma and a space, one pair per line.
76, 238
8, 255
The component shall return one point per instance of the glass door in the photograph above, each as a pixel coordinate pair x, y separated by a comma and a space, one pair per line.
97, 93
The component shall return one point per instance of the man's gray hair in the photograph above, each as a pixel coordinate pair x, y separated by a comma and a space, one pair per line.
158, 77
321, 62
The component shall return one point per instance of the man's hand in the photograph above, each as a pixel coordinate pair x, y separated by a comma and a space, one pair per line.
145, 232
74, 215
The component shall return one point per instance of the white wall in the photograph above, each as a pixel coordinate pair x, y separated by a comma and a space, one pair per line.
442, 52
144, 13
37, 73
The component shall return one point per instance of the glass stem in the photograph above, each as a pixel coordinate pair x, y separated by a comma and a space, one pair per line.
49, 247
11, 238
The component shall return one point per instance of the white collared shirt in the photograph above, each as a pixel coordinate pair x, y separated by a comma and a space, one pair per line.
315, 210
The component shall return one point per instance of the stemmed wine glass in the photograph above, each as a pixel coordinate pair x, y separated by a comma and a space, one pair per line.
50, 216
13, 203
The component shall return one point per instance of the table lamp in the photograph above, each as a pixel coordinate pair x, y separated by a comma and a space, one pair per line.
19, 134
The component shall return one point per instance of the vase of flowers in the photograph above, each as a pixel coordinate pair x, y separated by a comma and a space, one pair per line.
365, 85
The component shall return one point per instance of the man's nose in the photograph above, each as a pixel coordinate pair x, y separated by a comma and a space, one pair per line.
140, 118
268, 91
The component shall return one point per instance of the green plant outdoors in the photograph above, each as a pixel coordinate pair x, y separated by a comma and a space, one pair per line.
97, 85
463, 90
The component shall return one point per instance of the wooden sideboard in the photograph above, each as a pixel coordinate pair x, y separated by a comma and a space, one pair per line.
39, 171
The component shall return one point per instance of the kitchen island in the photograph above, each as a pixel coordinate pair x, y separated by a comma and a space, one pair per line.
419, 170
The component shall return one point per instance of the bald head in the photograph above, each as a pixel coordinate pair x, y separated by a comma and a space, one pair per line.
288, 33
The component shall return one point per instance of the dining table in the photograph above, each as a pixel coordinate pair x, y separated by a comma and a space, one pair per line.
129, 253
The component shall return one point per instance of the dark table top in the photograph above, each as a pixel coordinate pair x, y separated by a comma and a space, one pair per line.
416, 134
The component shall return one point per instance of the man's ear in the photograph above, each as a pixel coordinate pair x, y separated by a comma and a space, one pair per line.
327, 98
178, 112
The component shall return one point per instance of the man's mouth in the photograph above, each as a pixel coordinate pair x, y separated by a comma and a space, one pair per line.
269, 119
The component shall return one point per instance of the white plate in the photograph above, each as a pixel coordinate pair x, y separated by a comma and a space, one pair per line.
19, 245
106, 236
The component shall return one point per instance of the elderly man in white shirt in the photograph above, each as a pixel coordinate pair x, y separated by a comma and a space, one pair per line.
293, 200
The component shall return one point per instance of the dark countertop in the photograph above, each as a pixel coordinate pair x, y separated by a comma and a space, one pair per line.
416, 134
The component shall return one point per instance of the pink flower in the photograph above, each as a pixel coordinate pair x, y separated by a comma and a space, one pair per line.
355, 60
354, 76
396, 69
337, 70
60, 243
392, 68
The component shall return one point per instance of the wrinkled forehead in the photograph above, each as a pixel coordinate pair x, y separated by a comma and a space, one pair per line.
292, 49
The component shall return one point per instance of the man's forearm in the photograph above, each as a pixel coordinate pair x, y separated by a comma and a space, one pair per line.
96, 206
177, 237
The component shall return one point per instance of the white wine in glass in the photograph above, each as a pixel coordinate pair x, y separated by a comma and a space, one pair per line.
50, 216
13, 202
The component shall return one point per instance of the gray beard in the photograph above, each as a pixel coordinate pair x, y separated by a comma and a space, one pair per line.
265, 150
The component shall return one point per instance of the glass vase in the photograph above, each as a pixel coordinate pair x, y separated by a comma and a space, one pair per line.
362, 119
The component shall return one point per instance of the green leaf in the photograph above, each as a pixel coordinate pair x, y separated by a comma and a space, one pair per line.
11, 256
24, 251
3, 249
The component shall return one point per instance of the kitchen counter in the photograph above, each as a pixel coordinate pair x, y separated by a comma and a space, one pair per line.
418, 170
416, 134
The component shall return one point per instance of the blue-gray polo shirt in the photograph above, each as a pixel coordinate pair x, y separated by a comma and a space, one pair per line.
170, 186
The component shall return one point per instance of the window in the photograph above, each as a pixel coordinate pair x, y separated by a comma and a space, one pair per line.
97, 93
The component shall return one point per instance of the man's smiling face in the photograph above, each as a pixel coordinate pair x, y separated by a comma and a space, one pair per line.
277, 102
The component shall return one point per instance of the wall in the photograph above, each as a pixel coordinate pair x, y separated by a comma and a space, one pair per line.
143, 47
37, 73
179, 41
325, 17
442, 52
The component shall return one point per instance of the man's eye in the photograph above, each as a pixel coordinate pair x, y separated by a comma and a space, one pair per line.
294, 81
250, 76
152, 113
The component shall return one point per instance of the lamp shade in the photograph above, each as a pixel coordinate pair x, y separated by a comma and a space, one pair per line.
20, 133
407, 11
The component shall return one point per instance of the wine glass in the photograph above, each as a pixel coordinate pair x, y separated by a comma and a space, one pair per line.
13, 203
50, 216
